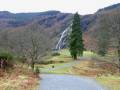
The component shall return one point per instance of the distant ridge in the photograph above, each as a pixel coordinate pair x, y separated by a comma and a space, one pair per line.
49, 18
111, 7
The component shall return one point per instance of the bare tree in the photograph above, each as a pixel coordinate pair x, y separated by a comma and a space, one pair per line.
103, 35
112, 23
115, 27
34, 50
29, 42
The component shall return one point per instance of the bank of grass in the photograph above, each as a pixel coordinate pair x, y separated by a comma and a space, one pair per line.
65, 70
47, 66
104, 73
66, 57
101, 69
54, 68
112, 81
19, 78
87, 68
65, 52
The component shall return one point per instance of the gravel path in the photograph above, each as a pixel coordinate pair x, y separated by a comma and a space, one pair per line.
67, 82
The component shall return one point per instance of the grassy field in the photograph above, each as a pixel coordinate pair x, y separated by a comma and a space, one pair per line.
66, 57
65, 52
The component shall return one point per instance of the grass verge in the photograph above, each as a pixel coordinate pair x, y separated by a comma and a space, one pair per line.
112, 81
20, 78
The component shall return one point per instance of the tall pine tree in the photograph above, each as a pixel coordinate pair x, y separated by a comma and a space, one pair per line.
76, 45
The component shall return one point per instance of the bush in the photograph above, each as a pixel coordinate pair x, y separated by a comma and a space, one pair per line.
55, 54
118, 53
37, 71
6, 55
102, 52
47, 62
61, 61
6, 60
21, 59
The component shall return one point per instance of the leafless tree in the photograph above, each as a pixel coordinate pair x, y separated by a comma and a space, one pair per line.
112, 23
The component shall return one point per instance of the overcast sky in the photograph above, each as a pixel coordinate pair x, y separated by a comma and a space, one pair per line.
71, 6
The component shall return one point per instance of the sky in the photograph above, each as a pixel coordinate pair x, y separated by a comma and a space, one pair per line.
70, 6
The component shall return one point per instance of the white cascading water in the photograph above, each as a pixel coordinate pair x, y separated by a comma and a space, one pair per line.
62, 40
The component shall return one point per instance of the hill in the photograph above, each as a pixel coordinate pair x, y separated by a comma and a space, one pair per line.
16, 30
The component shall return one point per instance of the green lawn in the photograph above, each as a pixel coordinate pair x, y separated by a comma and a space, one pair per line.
65, 52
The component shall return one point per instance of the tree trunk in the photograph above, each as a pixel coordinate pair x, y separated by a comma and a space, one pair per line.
119, 64
32, 64
75, 56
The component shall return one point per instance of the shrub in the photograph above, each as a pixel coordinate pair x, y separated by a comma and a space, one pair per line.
61, 61
118, 53
102, 52
37, 71
20, 59
6, 60
6, 55
55, 54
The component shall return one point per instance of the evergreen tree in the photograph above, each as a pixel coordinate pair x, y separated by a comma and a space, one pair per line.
76, 45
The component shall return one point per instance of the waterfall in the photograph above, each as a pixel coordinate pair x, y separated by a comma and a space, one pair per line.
63, 38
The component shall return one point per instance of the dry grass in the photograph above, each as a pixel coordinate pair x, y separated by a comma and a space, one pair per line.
111, 81
20, 78
105, 73
87, 68
94, 68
